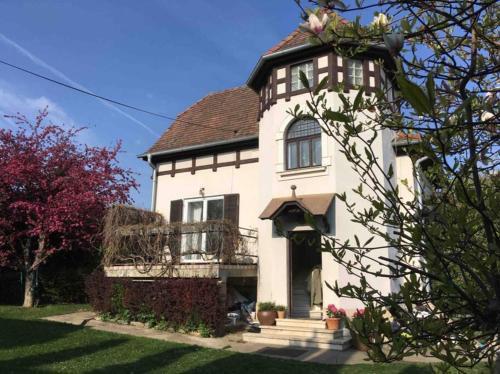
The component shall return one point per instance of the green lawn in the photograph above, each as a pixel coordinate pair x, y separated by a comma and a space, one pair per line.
30, 345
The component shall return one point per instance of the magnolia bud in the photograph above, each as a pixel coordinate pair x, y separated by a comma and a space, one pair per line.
394, 42
316, 25
486, 116
380, 20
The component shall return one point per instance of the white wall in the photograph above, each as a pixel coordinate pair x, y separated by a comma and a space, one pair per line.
335, 176
226, 180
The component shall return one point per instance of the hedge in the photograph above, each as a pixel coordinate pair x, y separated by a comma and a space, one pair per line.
178, 303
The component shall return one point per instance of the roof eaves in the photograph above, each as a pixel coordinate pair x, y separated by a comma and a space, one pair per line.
197, 146
263, 59
271, 56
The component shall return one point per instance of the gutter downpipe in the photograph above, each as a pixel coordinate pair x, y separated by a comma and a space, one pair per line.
155, 182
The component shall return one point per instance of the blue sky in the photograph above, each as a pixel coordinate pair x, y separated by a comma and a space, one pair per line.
161, 55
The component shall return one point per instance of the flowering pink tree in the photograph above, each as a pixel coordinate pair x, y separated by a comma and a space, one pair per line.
53, 193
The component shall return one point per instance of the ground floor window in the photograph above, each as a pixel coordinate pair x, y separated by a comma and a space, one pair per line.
196, 244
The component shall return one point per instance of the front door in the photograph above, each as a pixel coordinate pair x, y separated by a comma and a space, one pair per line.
304, 268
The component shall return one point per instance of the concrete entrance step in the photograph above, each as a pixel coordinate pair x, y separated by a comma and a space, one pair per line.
304, 332
296, 322
311, 315
337, 344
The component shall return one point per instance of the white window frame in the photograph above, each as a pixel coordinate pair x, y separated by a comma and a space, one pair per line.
307, 68
205, 201
355, 72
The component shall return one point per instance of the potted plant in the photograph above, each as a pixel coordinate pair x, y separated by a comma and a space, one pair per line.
281, 310
335, 315
266, 313
357, 316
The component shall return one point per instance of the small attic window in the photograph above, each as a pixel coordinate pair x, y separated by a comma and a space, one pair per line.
355, 72
307, 69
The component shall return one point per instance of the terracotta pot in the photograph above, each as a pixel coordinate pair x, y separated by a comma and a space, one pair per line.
266, 318
281, 313
333, 323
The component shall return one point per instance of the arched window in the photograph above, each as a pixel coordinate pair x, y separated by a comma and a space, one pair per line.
303, 144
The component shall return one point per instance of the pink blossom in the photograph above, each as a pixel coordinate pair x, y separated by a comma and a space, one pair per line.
315, 24
54, 191
359, 313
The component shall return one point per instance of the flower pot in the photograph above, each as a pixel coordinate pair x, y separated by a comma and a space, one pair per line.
333, 323
281, 313
266, 318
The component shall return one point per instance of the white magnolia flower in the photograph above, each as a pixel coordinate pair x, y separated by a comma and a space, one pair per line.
486, 116
380, 20
316, 25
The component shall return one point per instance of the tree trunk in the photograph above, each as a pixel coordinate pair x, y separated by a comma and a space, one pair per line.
29, 289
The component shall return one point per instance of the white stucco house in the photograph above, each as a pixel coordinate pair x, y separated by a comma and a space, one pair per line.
238, 155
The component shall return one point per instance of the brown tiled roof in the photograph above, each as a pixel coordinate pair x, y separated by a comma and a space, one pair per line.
403, 138
225, 115
295, 38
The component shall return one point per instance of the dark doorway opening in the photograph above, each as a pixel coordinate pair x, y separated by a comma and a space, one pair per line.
304, 258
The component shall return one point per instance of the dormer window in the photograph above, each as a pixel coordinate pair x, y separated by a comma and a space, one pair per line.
303, 144
355, 72
307, 69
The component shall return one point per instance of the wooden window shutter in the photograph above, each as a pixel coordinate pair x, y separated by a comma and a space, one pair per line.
231, 214
176, 210
232, 208
176, 207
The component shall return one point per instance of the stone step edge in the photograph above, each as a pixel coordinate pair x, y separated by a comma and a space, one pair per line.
336, 346
312, 339
298, 321
303, 329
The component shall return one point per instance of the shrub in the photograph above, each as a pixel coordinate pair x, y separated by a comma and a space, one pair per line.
178, 303
11, 287
280, 308
266, 307
62, 278
99, 290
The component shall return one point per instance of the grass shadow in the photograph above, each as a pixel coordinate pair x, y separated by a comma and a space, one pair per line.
20, 333
32, 363
157, 362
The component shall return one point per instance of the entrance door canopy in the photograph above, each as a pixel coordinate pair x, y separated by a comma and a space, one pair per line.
316, 205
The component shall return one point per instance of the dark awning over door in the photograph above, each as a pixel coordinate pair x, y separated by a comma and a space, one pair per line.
316, 204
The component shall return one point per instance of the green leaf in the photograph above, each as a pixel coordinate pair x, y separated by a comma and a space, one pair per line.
321, 85
405, 25
414, 95
336, 116
358, 99
344, 100
431, 89
303, 79
368, 154
390, 172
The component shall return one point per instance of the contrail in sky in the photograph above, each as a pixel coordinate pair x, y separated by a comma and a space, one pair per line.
64, 77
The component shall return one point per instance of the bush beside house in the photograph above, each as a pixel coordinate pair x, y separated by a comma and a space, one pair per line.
189, 304
60, 280
11, 290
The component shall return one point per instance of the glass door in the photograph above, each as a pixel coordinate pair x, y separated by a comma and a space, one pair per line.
193, 239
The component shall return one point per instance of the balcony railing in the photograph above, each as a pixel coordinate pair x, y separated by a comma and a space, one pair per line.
176, 243
218, 242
